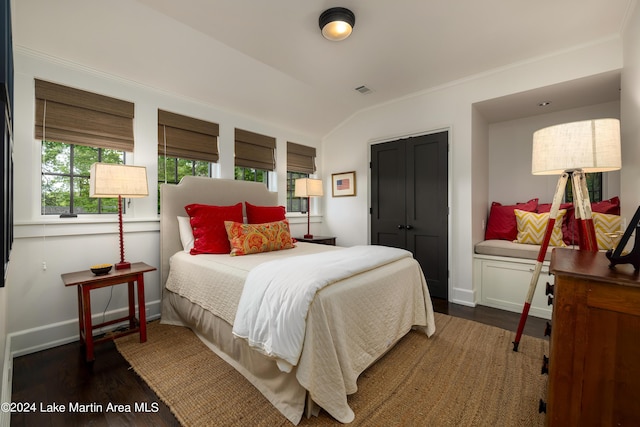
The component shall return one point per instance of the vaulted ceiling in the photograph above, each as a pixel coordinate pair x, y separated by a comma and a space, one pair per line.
268, 60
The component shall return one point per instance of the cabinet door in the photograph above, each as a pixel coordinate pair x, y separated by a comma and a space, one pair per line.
505, 285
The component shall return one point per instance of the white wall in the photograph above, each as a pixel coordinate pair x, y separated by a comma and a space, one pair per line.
448, 107
41, 311
629, 117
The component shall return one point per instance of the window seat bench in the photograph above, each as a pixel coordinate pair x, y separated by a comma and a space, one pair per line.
503, 272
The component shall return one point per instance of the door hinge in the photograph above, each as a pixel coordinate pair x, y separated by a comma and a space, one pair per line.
370, 165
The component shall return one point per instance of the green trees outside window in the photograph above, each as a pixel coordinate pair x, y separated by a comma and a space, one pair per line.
295, 204
594, 186
65, 178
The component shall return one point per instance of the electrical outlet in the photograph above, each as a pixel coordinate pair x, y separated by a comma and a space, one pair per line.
44, 265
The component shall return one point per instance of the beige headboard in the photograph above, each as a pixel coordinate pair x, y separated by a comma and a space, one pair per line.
209, 191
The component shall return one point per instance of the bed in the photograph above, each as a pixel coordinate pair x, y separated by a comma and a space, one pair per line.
349, 324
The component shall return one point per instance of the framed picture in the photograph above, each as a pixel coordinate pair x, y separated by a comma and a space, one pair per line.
343, 184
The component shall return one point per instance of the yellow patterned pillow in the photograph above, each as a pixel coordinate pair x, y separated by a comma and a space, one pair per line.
532, 226
606, 223
248, 239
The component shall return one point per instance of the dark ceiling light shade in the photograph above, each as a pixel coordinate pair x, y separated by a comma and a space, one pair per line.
337, 23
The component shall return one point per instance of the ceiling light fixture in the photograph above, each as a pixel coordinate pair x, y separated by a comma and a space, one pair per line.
337, 23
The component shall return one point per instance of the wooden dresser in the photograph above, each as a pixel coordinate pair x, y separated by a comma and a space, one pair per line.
594, 361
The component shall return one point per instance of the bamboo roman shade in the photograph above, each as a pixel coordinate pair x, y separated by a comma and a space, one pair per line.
187, 138
74, 116
301, 158
255, 151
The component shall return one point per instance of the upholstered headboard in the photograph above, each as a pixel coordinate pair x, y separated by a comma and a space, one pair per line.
209, 191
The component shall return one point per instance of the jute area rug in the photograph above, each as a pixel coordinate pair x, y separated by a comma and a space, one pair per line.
465, 375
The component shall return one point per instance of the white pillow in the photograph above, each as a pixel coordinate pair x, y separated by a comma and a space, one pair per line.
186, 233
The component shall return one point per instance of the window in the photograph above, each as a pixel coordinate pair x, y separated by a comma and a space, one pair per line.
594, 187
174, 169
251, 174
301, 162
78, 128
295, 204
65, 178
186, 146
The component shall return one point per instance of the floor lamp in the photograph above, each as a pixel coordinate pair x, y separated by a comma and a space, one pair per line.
571, 150
113, 180
308, 187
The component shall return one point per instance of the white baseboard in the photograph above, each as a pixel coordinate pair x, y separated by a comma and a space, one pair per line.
55, 334
463, 297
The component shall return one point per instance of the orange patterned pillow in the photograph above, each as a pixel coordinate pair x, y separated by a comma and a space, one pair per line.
248, 239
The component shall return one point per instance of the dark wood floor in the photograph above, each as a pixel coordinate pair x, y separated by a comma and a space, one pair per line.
59, 377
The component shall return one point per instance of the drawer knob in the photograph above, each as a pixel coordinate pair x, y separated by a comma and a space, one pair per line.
542, 407
549, 289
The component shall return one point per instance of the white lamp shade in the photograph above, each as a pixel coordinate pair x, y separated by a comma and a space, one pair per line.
308, 187
111, 180
590, 145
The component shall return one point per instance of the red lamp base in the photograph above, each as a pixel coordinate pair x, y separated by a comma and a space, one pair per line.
123, 265
308, 236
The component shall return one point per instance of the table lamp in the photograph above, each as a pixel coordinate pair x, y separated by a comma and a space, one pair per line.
571, 150
308, 187
114, 180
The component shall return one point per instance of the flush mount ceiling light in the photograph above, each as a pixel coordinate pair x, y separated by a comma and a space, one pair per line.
337, 23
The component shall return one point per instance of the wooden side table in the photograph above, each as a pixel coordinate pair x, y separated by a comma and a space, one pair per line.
86, 281
323, 240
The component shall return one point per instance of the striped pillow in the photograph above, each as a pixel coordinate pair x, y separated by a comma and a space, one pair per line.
532, 226
605, 223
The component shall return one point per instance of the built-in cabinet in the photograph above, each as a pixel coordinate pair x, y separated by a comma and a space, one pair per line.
6, 128
504, 283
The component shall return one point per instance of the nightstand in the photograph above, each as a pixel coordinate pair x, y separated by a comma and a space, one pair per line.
87, 281
323, 240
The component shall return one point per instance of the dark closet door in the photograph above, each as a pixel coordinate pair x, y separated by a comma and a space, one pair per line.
409, 206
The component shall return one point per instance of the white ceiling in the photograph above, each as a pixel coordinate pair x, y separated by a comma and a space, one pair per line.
267, 59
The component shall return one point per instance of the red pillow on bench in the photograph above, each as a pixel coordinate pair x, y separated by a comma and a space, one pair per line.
502, 220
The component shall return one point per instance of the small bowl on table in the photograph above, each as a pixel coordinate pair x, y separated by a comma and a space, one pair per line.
101, 269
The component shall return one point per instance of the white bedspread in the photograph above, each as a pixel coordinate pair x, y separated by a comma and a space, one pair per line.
277, 294
350, 324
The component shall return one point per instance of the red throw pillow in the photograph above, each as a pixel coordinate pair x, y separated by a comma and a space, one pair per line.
502, 220
569, 230
264, 214
209, 232
611, 206
570, 234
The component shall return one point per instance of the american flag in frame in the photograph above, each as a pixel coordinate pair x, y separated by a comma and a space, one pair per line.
343, 184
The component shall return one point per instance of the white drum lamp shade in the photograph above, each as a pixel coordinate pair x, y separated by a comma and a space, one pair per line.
590, 145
